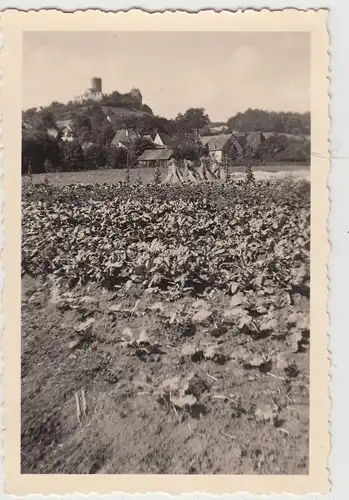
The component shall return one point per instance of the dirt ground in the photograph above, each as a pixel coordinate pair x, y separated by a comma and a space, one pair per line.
114, 176
94, 397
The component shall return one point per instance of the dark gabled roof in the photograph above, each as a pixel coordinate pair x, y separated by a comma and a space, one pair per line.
254, 139
156, 154
216, 142
240, 137
124, 136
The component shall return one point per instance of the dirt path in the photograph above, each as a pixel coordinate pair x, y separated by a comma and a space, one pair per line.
247, 399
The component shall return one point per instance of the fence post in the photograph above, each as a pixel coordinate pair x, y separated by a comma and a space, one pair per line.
157, 174
47, 165
225, 168
127, 167
30, 172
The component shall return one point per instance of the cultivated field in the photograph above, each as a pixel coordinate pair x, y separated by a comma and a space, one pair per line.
165, 328
115, 176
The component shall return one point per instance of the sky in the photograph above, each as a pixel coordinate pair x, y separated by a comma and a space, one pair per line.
223, 72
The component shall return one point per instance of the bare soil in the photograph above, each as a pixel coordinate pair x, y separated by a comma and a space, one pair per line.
247, 419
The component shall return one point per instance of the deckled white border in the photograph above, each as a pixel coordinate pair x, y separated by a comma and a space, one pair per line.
338, 226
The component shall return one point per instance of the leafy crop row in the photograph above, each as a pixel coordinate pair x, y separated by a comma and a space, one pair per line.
180, 238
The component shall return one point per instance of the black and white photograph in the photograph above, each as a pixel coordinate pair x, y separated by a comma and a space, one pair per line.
165, 252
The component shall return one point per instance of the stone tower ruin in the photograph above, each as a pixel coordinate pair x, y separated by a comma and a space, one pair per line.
96, 84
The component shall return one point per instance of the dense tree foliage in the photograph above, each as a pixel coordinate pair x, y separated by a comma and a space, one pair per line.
193, 119
188, 149
73, 156
37, 147
140, 145
270, 121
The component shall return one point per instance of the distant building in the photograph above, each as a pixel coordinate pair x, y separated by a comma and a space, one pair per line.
65, 128
161, 140
218, 145
219, 128
124, 138
96, 84
94, 92
254, 140
222, 145
155, 157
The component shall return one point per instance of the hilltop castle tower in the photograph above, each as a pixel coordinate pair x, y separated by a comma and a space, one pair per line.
96, 84
94, 92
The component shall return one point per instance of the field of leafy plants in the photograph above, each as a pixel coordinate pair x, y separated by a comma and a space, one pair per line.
165, 329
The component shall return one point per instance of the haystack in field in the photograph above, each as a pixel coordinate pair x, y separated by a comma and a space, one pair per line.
215, 168
189, 172
205, 172
174, 174
222, 174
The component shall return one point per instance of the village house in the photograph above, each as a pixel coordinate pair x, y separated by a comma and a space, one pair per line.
63, 130
254, 140
249, 142
124, 138
66, 132
236, 144
218, 145
161, 140
155, 157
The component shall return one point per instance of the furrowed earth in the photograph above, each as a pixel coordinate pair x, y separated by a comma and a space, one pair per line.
165, 329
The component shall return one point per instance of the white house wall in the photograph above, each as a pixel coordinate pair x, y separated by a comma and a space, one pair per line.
216, 155
158, 141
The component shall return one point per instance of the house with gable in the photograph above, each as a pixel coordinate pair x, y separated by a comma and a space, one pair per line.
155, 157
124, 138
63, 130
218, 145
254, 140
236, 144
160, 139
66, 132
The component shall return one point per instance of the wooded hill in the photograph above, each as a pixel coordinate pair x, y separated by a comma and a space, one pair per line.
97, 122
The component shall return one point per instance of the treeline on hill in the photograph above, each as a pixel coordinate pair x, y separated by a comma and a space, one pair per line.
131, 100
95, 124
270, 121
